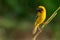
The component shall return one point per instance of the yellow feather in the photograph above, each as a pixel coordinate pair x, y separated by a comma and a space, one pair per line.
41, 16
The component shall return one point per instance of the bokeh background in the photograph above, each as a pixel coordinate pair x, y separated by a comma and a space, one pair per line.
17, 18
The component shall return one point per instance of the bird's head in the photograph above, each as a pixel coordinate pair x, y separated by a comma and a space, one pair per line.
41, 9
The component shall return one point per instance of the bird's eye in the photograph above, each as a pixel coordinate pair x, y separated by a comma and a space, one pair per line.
39, 9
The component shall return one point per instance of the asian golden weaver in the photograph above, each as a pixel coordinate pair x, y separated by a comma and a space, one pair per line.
41, 16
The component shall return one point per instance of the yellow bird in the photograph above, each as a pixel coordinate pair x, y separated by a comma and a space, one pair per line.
41, 16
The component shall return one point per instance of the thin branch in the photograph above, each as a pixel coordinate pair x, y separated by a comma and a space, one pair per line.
48, 21
35, 37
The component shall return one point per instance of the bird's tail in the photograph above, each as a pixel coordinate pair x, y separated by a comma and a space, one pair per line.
35, 29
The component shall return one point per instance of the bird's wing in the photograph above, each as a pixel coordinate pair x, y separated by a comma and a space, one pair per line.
37, 23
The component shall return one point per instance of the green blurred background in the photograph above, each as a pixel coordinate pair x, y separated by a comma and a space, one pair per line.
17, 19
